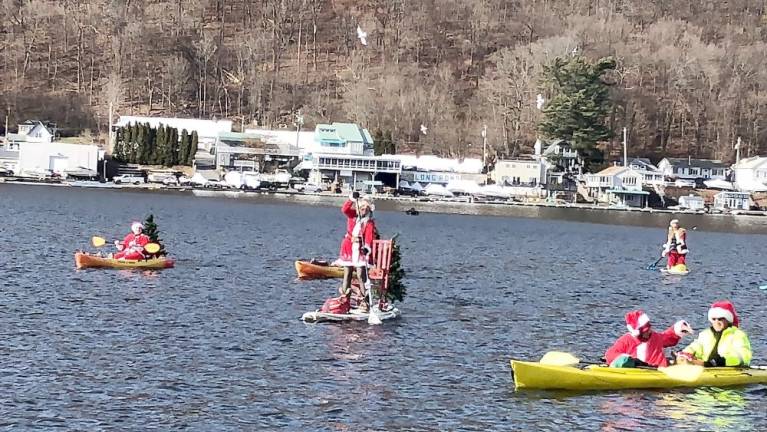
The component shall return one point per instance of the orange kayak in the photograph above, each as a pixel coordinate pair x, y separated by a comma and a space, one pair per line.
310, 270
86, 260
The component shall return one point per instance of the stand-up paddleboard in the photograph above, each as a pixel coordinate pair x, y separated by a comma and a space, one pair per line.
675, 271
315, 317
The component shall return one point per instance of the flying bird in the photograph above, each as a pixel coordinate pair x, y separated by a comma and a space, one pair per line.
362, 36
424, 129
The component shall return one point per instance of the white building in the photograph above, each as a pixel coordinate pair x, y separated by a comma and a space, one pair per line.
691, 169
31, 131
732, 201
692, 202
518, 172
207, 130
60, 158
618, 185
303, 140
751, 174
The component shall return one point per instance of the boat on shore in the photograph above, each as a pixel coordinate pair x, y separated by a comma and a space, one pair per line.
85, 260
538, 376
315, 269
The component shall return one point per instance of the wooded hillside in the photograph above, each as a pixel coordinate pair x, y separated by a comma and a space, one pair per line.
688, 79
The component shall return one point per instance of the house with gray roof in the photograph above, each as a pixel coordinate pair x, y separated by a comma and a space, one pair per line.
691, 169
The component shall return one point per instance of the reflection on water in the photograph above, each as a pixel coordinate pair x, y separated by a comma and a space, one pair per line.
707, 409
216, 343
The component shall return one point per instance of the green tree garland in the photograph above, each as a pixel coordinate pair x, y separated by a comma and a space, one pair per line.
397, 289
150, 229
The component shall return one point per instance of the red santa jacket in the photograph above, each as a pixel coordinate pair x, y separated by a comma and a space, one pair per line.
135, 242
649, 351
367, 232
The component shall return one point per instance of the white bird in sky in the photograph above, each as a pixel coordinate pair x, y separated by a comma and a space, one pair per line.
424, 129
362, 36
539, 101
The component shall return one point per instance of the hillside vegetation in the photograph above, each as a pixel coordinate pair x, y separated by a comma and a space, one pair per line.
688, 78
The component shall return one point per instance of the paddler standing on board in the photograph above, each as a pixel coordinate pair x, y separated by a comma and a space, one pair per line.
675, 248
641, 346
356, 246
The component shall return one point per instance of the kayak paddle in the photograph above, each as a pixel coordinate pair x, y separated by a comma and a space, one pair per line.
101, 241
654, 265
683, 372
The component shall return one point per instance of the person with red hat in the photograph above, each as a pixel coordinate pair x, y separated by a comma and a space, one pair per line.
722, 344
132, 247
641, 346
675, 247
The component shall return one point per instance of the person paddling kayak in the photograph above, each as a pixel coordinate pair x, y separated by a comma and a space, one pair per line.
722, 344
675, 248
641, 346
357, 245
132, 246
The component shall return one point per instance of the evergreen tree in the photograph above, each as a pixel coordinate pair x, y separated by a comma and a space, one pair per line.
397, 289
159, 150
172, 158
578, 110
149, 148
192, 149
135, 149
183, 147
150, 229
390, 148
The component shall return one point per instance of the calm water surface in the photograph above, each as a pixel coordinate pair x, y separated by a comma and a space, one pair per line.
216, 343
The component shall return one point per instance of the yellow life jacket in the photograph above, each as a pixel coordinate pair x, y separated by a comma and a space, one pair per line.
734, 346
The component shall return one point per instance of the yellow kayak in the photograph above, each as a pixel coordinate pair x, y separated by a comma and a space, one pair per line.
86, 260
534, 375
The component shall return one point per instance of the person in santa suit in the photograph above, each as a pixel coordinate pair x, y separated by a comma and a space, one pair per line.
356, 246
676, 244
132, 246
723, 344
641, 346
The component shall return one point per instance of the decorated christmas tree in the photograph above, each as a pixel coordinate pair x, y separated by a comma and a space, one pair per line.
397, 289
150, 229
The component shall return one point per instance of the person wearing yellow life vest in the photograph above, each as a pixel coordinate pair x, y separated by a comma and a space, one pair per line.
723, 344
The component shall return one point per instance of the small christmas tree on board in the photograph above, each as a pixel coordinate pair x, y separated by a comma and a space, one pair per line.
397, 289
150, 229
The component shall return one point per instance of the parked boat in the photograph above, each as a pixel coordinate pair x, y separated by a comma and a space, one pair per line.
86, 260
315, 269
534, 375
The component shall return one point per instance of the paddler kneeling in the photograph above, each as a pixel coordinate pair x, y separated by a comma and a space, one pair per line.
723, 344
132, 247
641, 346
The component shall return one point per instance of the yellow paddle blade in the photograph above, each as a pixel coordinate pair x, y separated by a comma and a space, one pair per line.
152, 248
557, 358
98, 241
683, 372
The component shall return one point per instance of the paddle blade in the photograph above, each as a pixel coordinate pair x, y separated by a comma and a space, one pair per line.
152, 248
98, 241
683, 372
557, 358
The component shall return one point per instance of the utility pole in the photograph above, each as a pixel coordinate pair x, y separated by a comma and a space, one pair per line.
484, 146
299, 123
737, 150
5, 134
110, 143
625, 154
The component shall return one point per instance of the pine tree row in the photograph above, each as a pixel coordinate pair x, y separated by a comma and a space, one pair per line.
143, 144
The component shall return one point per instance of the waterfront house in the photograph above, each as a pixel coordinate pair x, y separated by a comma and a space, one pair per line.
617, 185
520, 172
691, 169
751, 174
643, 164
561, 154
343, 153
727, 200
31, 131
692, 202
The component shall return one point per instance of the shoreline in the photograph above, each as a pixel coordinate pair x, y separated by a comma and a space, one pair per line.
430, 204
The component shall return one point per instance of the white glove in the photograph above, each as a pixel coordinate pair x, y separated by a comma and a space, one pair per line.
681, 328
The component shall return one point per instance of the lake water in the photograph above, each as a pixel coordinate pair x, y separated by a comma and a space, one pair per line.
217, 344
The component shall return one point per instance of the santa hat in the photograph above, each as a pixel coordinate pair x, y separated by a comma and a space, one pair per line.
136, 225
724, 309
673, 221
636, 321
367, 200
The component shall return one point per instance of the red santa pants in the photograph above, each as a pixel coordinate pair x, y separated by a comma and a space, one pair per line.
129, 255
675, 258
